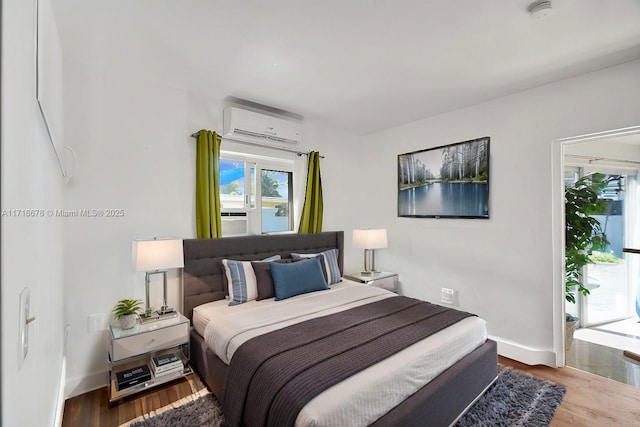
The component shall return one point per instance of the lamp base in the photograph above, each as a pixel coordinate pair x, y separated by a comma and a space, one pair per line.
168, 315
165, 310
369, 273
154, 316
149, 317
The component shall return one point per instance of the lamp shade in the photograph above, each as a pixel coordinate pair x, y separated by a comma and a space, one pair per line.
157, 254
370, 238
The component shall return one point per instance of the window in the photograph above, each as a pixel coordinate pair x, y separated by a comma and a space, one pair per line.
276, 201
256, 195
237, 185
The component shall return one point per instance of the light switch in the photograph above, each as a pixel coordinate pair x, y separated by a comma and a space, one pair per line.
95, 322
23, 328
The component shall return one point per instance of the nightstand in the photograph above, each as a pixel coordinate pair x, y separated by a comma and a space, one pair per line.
130, 352
380, 279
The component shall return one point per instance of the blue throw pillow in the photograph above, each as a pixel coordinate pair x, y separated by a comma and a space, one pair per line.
330, 259
297, 278
264, 278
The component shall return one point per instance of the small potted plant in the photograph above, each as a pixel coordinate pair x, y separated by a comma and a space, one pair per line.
126, 312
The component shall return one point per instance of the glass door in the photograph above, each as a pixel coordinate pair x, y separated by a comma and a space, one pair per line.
607, 278
611, 278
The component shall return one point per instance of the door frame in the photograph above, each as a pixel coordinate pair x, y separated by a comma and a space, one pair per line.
558, 227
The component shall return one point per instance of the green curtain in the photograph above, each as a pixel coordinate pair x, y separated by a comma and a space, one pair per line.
208, 221
311, 219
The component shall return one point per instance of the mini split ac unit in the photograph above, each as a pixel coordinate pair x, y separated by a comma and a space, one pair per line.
261, 129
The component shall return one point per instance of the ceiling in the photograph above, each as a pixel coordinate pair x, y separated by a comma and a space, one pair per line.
358, 65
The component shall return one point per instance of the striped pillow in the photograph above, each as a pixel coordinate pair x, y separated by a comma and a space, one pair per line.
241, 280
331, 268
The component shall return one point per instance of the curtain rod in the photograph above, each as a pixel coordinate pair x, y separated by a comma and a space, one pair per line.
601, 159
299, 153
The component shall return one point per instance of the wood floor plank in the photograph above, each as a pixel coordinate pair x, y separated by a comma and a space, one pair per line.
590, 400
93, 409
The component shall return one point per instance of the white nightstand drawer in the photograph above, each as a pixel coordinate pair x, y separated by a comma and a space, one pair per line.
380, 279
159, 339
388, 283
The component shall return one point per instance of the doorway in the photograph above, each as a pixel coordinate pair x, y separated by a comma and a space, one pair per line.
608, 316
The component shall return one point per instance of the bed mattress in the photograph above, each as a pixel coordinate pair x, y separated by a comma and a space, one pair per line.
364, 397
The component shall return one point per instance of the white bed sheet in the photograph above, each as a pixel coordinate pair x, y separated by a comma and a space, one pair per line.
364, 397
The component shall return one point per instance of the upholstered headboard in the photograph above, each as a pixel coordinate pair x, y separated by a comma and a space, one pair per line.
203, 278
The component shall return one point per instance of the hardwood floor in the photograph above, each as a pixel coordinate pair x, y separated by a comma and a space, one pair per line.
92, 409
590, 400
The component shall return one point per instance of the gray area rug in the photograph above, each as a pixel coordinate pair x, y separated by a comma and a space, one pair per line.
515, 399
205, 411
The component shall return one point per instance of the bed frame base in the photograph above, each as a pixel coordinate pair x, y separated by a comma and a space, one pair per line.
450, 394
208, 365
442, 401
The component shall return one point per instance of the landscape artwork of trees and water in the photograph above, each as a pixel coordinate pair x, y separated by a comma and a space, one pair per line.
448, 181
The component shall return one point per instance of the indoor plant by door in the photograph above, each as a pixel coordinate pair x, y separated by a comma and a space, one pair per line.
126, 312
583, 233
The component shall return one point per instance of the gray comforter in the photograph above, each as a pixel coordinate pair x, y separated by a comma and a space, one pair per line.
273, 376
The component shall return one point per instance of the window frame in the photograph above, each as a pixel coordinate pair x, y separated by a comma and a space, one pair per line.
254, 210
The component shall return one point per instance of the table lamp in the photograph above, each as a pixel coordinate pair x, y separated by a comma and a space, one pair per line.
370, 239
155, 257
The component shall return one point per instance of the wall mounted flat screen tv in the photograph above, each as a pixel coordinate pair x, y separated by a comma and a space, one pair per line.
449, 181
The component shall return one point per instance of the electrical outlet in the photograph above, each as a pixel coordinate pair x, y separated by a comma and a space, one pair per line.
449, 296
95, 322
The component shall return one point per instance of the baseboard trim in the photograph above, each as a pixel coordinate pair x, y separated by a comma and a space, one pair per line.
78, 386
524, 354
60, 399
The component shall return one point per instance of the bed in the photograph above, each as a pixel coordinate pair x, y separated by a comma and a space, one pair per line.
440, 395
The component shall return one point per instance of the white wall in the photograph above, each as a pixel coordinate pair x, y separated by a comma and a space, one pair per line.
131, 134
132, 139
133, 154
31, 247
504, 267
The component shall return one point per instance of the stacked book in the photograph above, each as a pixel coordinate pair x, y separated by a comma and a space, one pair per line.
167, 364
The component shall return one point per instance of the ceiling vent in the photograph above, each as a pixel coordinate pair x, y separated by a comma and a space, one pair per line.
257, 128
